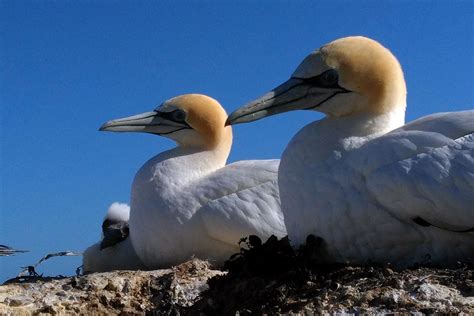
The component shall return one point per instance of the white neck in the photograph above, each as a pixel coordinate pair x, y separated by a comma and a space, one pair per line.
181, 165
333, 135
354, 130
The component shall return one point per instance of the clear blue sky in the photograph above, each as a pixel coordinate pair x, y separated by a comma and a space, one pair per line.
68, 66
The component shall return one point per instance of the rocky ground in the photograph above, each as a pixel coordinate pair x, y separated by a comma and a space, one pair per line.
122, 292
262, 279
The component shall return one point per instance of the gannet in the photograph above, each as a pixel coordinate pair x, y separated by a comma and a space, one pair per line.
186, 201
115, 251
374, 189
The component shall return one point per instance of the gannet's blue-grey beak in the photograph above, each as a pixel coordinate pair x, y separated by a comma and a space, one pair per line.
273, 102
295, 94
154, 122
135, 123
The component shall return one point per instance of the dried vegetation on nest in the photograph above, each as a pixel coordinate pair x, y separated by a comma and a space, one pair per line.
273, 278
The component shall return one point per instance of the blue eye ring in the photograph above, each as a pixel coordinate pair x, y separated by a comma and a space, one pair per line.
330, 77
178, 115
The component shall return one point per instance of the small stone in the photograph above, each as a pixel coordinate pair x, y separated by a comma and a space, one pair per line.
110, 287
387, 272
19, 301
66, 287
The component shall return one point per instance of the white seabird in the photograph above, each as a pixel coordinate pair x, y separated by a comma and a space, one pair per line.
374, 189
115, 250
186, 201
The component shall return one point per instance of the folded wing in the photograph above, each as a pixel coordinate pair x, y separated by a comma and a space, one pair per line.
424, 171
242, 200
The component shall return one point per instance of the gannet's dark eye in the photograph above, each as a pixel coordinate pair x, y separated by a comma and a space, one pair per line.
330, 77
178, 115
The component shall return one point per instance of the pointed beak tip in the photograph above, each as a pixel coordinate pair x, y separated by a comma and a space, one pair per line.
103, 127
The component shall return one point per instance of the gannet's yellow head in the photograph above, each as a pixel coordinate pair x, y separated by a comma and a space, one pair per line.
190, 120
347, 76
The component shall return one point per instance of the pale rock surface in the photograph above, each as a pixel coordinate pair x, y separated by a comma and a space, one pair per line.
131, 292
